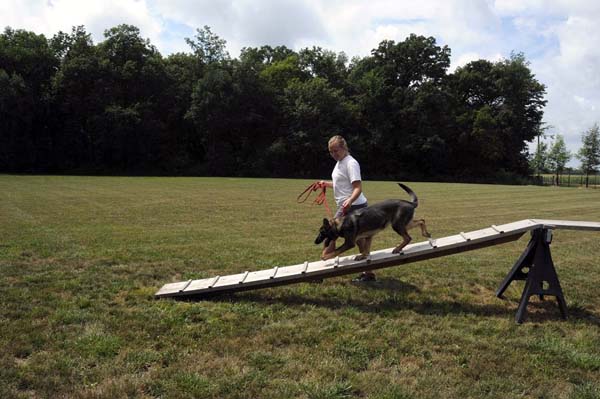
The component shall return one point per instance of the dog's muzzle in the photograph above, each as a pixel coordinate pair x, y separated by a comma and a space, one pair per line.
322, 237
319, 239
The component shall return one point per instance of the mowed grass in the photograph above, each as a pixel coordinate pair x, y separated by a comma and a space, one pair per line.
81, 257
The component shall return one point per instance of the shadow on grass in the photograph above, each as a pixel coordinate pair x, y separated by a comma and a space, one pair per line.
539, 311
396, 299
390, 305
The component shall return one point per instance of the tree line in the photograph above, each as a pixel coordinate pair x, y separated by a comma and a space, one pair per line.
68, 105
553, 157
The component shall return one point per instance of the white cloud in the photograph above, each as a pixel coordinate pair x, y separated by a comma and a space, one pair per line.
49, 17
570, 74
245, 23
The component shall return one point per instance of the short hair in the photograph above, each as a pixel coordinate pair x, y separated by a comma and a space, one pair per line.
339, 140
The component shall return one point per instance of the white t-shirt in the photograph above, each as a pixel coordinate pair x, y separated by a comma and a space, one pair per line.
344, 173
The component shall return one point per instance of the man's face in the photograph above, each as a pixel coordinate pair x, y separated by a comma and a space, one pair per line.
337, 152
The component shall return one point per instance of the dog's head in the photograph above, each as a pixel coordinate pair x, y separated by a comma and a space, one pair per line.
327, 232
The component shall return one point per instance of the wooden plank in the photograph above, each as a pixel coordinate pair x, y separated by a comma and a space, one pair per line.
569, 224
345, 265
171, 288
201, 284
462, 242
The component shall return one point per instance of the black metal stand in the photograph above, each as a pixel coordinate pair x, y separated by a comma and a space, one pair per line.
541, 278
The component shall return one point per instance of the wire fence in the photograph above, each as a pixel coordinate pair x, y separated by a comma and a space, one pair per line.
567, 180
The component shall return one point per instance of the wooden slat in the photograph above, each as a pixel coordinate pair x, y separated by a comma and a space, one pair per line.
305, 268
274, 272
497, 229
185, 286
212, 284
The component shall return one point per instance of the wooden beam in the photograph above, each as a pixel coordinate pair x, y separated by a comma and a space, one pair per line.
308, 271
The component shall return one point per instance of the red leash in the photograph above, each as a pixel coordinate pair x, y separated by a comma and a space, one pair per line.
321, 197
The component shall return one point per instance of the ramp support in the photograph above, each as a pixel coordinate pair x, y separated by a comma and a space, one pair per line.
535, 266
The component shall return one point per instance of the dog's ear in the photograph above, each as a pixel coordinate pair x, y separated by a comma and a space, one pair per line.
325, 222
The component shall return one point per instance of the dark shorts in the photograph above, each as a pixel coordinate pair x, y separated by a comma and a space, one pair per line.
339, 211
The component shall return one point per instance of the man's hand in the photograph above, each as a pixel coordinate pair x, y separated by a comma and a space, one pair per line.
346, 205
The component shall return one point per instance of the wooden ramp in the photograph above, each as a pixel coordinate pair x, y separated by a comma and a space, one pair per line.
308, 271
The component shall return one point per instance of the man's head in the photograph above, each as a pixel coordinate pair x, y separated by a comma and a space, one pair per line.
338, 148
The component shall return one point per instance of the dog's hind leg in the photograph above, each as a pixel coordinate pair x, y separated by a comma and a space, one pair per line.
419, 223
406, 239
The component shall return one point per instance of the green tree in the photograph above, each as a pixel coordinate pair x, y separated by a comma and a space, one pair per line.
539, 160
499, 109
67, 104
325, 64
412, 62
27, 65
401, 106
264, 55
183, 71
521, 111
208, 47
16, 123
79, 98
589, 153
278, 75
314, 111
558, 156
132, 125
213, 101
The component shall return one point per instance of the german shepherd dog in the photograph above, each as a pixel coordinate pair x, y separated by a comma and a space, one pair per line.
359, 227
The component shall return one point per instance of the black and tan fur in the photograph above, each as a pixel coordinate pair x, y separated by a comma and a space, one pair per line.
359, 227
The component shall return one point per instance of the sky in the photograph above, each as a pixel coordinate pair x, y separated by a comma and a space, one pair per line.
559, 38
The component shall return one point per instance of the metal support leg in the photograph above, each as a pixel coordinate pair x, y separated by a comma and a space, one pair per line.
516, 273
538, 259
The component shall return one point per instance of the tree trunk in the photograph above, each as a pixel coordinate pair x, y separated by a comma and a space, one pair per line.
587, 179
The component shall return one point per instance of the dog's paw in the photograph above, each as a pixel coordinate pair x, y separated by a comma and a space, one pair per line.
328, 256
360, 257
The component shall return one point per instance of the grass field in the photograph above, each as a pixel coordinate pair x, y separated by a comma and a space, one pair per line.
81, 257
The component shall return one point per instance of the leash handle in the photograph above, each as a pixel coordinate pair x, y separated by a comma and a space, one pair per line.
319, 200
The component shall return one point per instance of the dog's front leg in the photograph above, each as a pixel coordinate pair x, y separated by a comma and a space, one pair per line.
364, 246
327, 249
348, 244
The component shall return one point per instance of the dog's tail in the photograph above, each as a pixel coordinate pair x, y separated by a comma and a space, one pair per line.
413, 196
